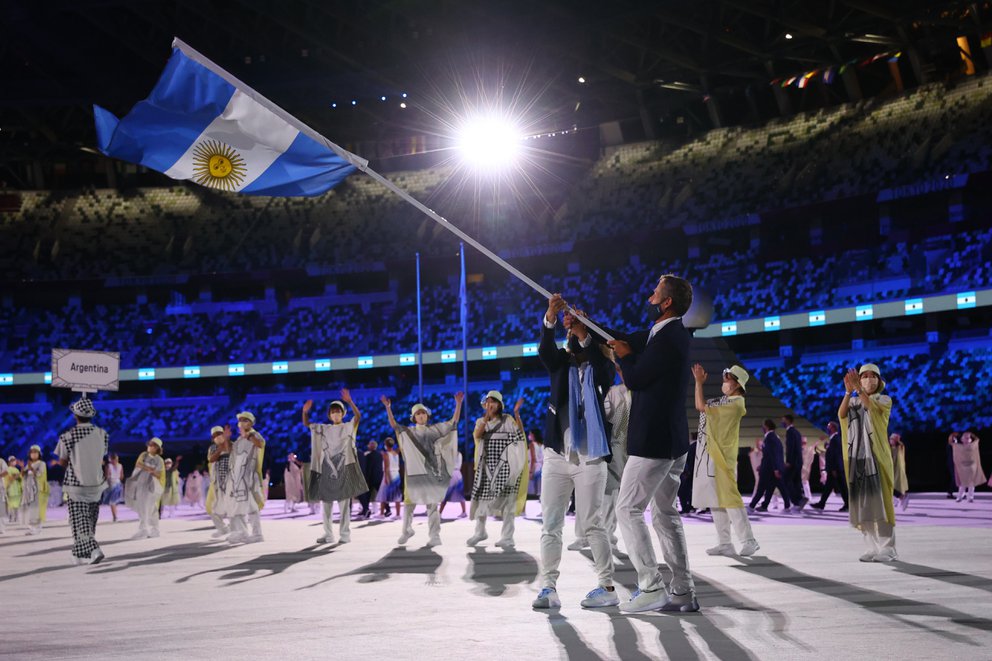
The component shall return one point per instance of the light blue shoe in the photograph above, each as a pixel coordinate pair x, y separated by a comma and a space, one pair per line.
601, 598
547, 598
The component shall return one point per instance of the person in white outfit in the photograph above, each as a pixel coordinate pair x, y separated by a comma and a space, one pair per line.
430, 452
144, 489
219, 460
336, 476
243, 497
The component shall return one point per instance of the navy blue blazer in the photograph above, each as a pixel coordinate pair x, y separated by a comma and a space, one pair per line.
835, 454
793, 448
771, 455
657, 374
557, 361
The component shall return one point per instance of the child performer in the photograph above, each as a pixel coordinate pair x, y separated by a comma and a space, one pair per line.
243, 497
3, 496
500, 464
170, 496
429, 453
35, 499
219, 461
193, 489
337, 477
14, 486
293, 482
144, 489
114, 473
715, 482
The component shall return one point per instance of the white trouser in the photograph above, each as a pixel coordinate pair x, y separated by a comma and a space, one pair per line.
344, 507
807, 492
433, 520
654, 481
241, 522
148, 512
34, 515
880, 537
724, 518
509, 514
559, 476
3, 512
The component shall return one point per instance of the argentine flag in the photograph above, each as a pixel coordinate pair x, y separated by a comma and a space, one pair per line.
202, 124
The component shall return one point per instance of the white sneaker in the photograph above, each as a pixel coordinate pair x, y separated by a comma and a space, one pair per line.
405, 537
141, 534
601, 598
475, 539
433, 541
254, 539
547, 598
681, 603
344, 538
642, 602
868, 557
578, 544
223, 532
749, 548
237, 538
95, 557
506, 544
722, 549
154, 533
888, 555
325, 539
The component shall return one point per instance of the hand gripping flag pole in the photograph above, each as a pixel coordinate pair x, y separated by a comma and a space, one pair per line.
363, 165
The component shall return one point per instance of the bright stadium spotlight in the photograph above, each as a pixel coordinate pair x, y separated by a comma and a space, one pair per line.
489, 142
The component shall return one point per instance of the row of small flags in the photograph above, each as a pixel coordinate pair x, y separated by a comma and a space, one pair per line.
830, 73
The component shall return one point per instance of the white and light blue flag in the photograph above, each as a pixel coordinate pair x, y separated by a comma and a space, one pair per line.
202, 124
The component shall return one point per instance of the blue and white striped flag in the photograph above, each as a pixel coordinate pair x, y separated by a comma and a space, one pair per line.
202, 124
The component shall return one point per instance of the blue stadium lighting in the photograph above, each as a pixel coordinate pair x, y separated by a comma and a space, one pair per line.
489, 353
148, 331
191, 372
489, 142
530, 350
6, 379
772, 323
403, 95
354, 102
914, 306
334, 105
322, 365
280, 368
48, 377
728, 328
818, 318
864, 312
449, 356
382, 98
365, 362
966, 299
236, 369
146, 374
408, 359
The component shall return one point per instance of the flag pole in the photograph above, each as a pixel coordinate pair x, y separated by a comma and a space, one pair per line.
420, 342
463, 304
363, 165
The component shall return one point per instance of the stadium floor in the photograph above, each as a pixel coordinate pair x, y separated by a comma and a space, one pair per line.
804, 595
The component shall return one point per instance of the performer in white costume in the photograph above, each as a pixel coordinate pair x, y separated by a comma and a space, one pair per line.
144, 489
243, 499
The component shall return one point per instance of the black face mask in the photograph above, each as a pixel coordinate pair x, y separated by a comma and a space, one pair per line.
652, 311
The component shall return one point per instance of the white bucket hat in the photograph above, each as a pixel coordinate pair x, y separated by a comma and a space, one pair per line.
493, 394
157, 441
338, 403
419, 407
247, 415
872, 367
36, 448
740, 374
83, 408
216, 430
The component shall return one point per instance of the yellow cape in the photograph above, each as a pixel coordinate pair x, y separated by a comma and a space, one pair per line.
879, 410
723, 430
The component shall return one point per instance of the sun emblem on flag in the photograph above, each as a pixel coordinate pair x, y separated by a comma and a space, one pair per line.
218, 166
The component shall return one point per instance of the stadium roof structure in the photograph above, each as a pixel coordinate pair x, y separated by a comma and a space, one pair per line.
345, 66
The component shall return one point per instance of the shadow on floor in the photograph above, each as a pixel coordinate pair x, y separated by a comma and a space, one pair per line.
494, 572
398, 561
905, 611
263, 566
945, 575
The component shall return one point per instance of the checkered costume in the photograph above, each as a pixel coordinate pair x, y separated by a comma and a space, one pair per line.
84, 484
501, 459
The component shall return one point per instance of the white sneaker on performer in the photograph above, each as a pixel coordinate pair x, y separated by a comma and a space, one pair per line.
722, 549
433, 541
578, 544
642, 602
888, 555
96, 556
344, 538
868, 557
749, 548
547, 598
254, 539
223, 532
681, 603
405, 537
325, 539
237, 538
506, 544
141, 534
601, 598
475, 539
154, 533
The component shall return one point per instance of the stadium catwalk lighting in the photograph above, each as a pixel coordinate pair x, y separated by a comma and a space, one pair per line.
489, 142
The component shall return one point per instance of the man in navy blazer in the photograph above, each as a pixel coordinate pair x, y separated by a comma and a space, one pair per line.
655, 365
836, 477
771, 472
794, 462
